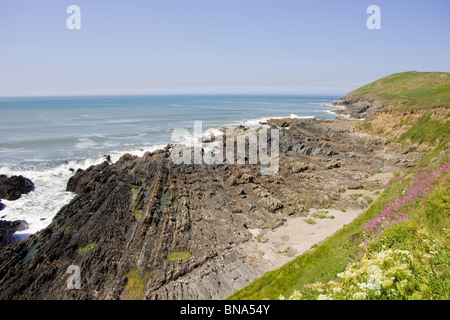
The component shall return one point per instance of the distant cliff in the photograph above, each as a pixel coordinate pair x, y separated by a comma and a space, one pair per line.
400, 91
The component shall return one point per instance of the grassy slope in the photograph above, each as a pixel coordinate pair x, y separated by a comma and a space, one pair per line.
428, 130
431, 211
407, 90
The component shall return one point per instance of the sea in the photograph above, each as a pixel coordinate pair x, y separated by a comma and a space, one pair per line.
46, 139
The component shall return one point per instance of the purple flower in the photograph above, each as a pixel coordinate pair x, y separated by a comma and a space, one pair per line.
393, 212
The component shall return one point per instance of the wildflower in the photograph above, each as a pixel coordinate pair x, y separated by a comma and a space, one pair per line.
296, 295
422, 232
393, 212
331, 283
337, 290
360, 296
324, 297
316, 286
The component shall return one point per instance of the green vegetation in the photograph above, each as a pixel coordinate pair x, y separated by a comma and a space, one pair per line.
407, 90
408, 261
138, 214
87, 248
178, 255
135, 287
428, 130
368, 199
310, 221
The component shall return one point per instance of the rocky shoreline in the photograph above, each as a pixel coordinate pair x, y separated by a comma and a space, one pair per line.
145, 228
358, 108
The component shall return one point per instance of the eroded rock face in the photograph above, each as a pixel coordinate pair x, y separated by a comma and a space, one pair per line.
145, 228
13, 187
358, 109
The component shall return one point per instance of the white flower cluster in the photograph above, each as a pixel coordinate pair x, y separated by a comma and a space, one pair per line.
377, 273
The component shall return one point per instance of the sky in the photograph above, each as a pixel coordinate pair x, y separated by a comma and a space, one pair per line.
215, 46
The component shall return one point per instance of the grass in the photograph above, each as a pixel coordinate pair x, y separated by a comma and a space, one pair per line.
427, 130
368, 199
410, 258
407, 90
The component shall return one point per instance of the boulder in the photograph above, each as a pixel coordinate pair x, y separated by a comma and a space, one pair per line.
13, 187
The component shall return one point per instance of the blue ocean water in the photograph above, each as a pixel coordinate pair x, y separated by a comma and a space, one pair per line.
44, 137
42, 132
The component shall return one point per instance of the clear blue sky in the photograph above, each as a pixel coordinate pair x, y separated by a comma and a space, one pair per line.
216, 46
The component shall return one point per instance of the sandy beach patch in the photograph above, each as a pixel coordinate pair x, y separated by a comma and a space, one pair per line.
271, 249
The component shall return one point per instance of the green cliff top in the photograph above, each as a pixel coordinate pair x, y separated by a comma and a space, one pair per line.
407, 90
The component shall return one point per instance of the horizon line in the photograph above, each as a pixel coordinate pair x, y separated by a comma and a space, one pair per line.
169, 94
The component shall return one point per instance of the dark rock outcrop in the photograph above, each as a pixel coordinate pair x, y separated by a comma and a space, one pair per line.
13, 187
8, 228
358, 109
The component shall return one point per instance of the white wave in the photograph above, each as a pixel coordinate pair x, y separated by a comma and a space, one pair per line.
40, 206
346, 116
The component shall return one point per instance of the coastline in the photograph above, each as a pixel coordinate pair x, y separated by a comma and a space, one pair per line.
210, 212
39, 207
